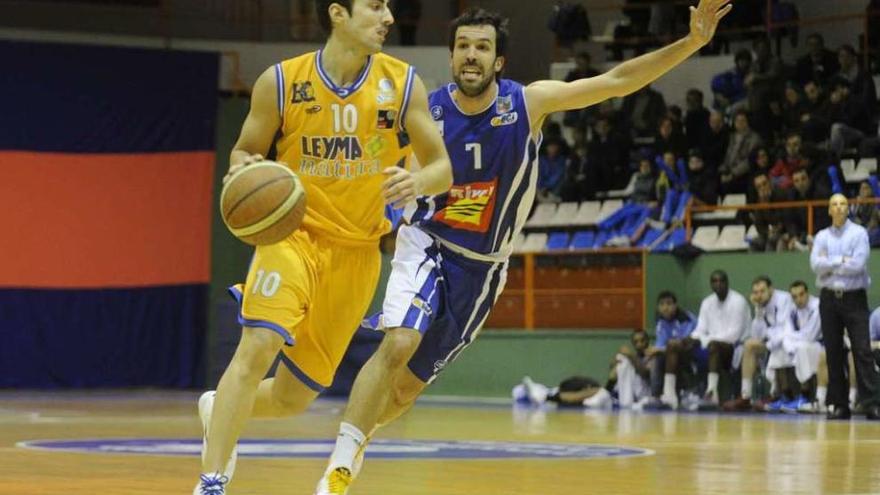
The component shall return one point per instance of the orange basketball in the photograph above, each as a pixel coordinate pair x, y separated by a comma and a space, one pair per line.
263, 203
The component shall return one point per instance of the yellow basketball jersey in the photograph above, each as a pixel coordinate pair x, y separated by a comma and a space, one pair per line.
338, 140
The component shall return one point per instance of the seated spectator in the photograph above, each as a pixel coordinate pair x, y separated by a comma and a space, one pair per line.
772, 309
722, 325
764, 85
714, 144
804, 189
669, 138
702, 182
782, 172
696, 120
729, 87
674, 348
819, 64
643, 110
581, 177
608, 154
760, 164
816, 119
734, 170
849, 117
861, 84
866, 214
794, 107
644, 190
552, 164
770, 223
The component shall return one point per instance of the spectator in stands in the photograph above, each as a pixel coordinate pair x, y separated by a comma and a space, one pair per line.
583, 68
794, 107
734, 170
805, 189
722, 325
643, 110
802, 340
866, 214
644, 188
819, 64
770, 223
764, 83
702, 181
861, 83
760, 163
782, 172
696, 120
729, 87
669, 138
674, 348
816, 120
552, 164
714, 144
848, 115
772, 309
581, 177
608, 154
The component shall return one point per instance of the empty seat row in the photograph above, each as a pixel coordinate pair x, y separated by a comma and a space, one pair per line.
729, 238
572, 213
857, 171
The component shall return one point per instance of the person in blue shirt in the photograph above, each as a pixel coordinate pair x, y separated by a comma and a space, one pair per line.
839, 259
674, 349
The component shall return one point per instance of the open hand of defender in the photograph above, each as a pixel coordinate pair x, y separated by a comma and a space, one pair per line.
401, 186
705, 18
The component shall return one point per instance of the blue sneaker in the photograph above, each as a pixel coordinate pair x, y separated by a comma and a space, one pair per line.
211, 484
775, 406
792, 406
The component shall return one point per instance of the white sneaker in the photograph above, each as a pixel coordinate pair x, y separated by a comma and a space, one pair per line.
601, 400
211, 484
670, 400
206, 405
537, 393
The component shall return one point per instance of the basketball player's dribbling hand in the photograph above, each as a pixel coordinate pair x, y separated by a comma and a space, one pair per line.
400, 187
705, 18
250, 159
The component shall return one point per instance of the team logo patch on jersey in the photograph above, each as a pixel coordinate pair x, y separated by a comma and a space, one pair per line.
375, 146
313, 109
303, 91
386, 91
505, 119
469, 206
437, 112
503, 104
386, 119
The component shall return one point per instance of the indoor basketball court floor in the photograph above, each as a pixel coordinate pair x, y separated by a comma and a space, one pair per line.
128, 443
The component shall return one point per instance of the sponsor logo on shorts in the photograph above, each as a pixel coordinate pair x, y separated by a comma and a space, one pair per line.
320, 449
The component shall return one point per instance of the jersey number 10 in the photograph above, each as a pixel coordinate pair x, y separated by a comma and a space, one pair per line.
345, 118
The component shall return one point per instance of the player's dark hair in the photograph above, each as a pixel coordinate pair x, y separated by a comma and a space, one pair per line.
762, 278
476, 16
667, 294
799, 283
322, 8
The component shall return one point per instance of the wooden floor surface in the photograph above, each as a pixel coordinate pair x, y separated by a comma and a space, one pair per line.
687, 453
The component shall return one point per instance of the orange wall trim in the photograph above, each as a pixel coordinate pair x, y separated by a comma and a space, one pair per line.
105, 220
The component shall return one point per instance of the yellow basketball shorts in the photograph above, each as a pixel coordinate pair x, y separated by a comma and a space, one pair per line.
314, 293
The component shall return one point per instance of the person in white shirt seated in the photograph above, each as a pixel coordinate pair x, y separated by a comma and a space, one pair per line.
772, 308
722, 326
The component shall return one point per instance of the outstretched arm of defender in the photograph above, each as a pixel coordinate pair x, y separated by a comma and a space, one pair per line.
260, 126
435, 174
545, 97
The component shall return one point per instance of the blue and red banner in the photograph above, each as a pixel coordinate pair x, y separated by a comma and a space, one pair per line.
107, 160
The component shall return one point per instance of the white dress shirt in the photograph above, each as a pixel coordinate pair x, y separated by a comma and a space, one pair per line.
723, 321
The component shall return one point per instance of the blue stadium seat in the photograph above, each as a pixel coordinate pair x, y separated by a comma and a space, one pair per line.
557, 240
583, 239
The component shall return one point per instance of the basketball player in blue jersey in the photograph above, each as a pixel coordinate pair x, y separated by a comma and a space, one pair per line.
451, 257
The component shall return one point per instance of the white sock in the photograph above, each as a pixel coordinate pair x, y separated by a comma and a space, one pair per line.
669, 384
348, 442
598, 401
747, 388
712, 386
853, 394
821, 393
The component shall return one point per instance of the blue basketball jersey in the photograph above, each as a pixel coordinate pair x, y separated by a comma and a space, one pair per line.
495, 172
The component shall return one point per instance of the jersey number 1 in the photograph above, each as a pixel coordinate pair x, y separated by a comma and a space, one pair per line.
478, 154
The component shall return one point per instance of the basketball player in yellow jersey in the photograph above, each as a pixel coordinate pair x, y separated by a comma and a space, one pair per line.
342, 113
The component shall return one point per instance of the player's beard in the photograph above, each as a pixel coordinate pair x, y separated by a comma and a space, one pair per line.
475, 89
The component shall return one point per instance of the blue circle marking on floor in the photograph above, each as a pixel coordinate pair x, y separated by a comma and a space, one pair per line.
321, 449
